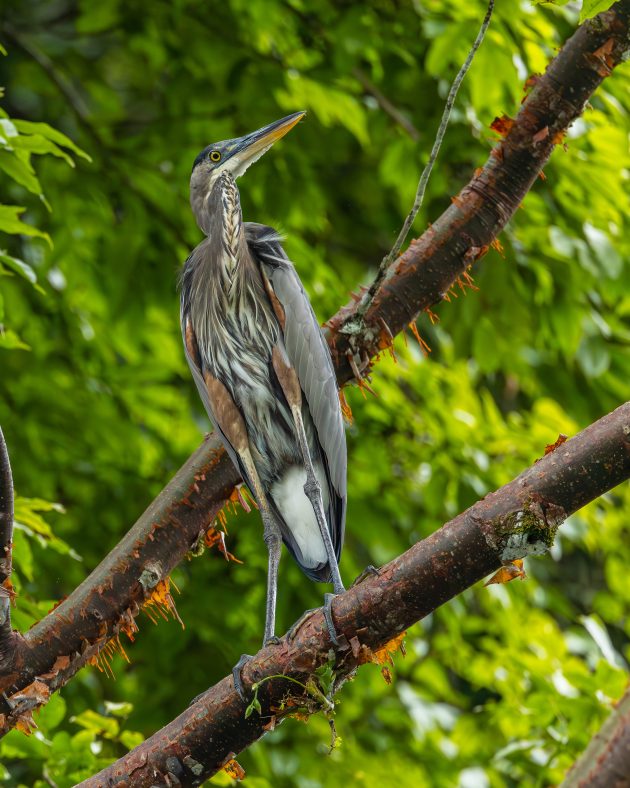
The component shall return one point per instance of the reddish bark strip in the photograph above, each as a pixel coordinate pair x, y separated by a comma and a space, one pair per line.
107, 599
517, 520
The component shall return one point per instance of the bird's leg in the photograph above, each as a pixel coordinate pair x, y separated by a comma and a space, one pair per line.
313, 491
273, 540
233, 426
290, 385
292, 391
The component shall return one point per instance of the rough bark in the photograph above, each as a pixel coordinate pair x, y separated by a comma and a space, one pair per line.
606, 761
109, 598
517, 520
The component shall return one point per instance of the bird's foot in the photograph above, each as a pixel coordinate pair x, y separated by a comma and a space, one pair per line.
330, 624
369, 571
237, 677
327, 611
237, 670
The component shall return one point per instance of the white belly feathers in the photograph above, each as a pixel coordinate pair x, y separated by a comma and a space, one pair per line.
297, 512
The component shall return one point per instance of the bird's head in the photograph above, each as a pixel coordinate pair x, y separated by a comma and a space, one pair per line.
236, 155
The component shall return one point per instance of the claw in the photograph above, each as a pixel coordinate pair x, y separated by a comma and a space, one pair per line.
330, 624
196, 698
237, 677
274, 640
367, 572
327, 611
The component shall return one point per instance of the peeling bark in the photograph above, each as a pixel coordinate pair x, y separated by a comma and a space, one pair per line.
368, 615
107, 601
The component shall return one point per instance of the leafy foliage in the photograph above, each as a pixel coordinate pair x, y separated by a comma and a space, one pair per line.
505, 684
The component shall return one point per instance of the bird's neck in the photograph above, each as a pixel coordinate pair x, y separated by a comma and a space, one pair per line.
231, 224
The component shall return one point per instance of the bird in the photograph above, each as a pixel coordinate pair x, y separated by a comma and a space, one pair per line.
264, 371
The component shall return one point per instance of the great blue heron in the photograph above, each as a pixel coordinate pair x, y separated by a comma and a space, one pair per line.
263, 369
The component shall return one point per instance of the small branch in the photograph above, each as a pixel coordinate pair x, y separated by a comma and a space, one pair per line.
426, 173
386, 105
606, 760
518, 520
6, 546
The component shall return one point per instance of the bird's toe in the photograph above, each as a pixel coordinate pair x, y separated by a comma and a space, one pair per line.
237, 676
369, 571
330, 624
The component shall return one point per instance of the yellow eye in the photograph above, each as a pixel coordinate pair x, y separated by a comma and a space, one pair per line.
215, 156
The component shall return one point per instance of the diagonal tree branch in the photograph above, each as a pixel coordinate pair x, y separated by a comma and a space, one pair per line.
517, 520
110, 597
606, 760
424, 273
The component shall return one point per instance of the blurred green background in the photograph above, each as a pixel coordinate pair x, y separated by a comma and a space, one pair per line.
503, 686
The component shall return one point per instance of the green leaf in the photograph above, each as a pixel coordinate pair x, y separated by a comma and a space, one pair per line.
51, 714
44, 130
10, 222
35, 143
9, 340
19, 266
97, 723
330, 105
593, 356
592, 7
122, 709
19, 168
131, 739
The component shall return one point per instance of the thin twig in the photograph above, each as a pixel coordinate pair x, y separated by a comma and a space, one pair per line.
426, 173
386, 105
6, 543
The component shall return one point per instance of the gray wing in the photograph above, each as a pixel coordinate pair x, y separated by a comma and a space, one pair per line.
309, 354
194, 360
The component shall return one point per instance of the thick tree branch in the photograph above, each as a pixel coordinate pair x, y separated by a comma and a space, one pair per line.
517, 520
109, 598
606, 760
7, 637
425, 272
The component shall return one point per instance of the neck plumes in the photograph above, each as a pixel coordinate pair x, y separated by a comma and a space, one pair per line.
217, 208
229, 205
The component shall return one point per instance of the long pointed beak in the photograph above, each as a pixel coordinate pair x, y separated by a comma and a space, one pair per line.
251, 147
